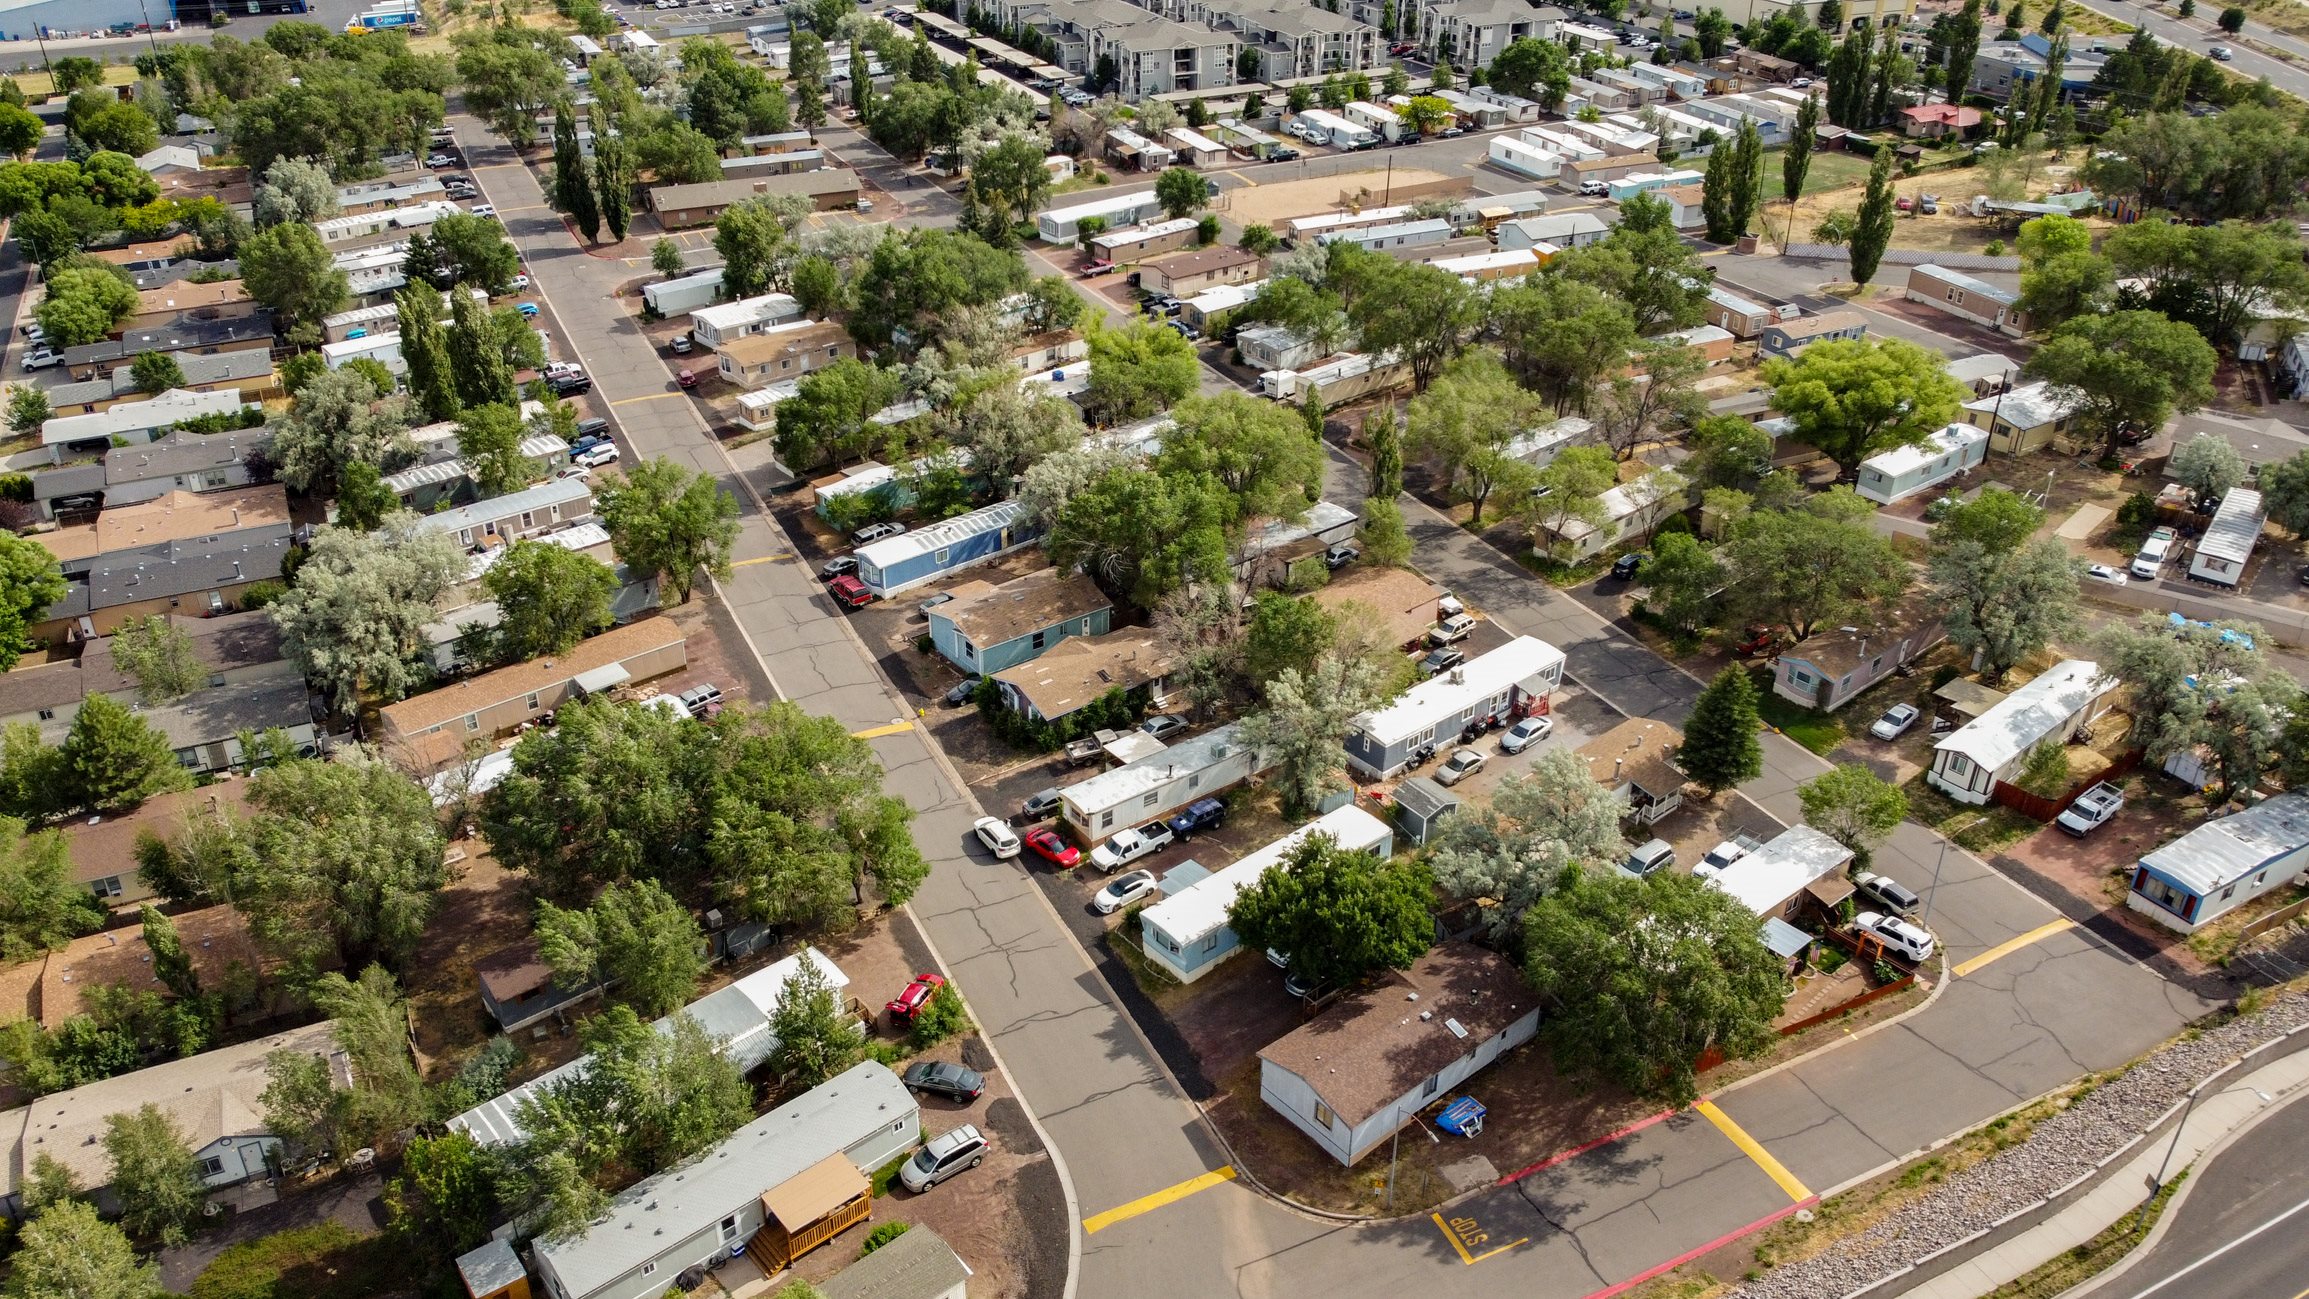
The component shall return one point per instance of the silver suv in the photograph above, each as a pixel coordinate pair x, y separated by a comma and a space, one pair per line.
942, 1157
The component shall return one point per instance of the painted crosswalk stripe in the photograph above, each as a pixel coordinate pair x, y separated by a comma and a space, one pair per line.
2011, 945
1754, 1150
1149, 1203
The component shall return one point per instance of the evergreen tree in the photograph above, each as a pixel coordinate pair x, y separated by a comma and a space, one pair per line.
67, 1250
477, 356
1747, 177
1716, 194
363, 500
815, 1038
425, 347
1880, 91
1796, 164
1385, 434
114, 759
1872, 229
1848, 73
572, 188
1963, 48
1721, 747
613, 177
170, 964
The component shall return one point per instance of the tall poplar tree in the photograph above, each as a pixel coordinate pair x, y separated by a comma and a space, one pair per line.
1872, 230
425, 347
572, 187
477, 355
1963, 48
613, 175
1747, 176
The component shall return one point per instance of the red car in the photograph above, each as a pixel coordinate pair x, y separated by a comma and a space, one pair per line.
1048, 846
686, 379
909, 1003
850, 593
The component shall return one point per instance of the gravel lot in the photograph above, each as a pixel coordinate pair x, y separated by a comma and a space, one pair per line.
2061, 1149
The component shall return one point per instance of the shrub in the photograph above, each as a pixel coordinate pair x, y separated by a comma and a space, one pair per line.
258, 595
941, 1019
881, 1235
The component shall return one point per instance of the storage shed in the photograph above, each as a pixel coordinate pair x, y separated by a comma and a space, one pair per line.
1420, 807
2221, 865
1159, 784
1186, 933
906, 561
1904, 471
2229, 540
1517, 677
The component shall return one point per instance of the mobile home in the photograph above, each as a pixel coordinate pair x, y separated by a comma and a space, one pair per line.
1187, 934
1968, 763
1063, 225
1391, 238
2229, 540
1372, 117
1525, 159
1337, 131
1159, 784
1901, 472
906, 561
1519, 675
680, 296
2221, 865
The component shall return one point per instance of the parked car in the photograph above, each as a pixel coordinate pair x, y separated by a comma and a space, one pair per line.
1341, 555
874, 532
964, 689
595, 456
2221, 53
40, 358
569, 384
1800, 83
1895, 721
528, 310
1459, 766
520, 282
1654, 855
485, 210
997, 835
2092, 809
850, 593
1761, 640
1714, 860
590, 431
1162, 726
1593, 188
1524, 734
440, 160
1200, 815
1928, 204
942, 1157
1899, 937
1887, 892
687, 379
838, 566
942, 1079
1123, 890
702, 700
1441, 660
1048, 846
1128, 846
1452, 627
2105, 573
1040, 804
1303, 986
943, 597
917, 994
1627, 566
682, 344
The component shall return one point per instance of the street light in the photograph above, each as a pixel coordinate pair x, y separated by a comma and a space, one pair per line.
1395, 1144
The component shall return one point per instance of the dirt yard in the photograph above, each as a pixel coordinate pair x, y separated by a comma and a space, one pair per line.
1953, 229
1270, 204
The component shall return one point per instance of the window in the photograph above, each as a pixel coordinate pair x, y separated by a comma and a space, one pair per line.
472, 721
1800, 676
1211, 943
1434, 1080
108, 887
940, 557
2228, 892
48, 714
1041, 640
211, 1166
528, 520
730, 1227
1324, 1116
1149, 800
1956, 297
533, 701
648, 1268
1194, 781
1106, 820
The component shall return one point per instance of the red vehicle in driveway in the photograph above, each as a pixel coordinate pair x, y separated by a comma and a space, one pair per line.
850, 593
1048, 846
686, 379
906, 1005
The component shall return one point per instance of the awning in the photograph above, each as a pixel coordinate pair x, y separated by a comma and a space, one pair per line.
609, 676
1784, 939
1968, 697
1830, 890
814, 1192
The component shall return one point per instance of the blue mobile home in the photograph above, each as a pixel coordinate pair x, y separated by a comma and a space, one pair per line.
2221, 865
1187, 933
986, 628
905, 562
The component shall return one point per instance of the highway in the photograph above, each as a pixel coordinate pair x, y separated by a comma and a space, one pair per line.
2198, 34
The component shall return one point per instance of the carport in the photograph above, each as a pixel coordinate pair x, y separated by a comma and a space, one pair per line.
1968, 699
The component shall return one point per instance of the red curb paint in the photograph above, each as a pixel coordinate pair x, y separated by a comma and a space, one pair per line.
1576, 1151
1718, 1243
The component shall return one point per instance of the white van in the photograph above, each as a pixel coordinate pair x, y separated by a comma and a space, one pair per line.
2155, 552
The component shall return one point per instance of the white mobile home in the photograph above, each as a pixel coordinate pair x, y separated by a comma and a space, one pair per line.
1063, 225
715, 327
1525, 159
1337, 131
1193, 148
684, 294
1372, 117
1273, 347
1773, 880
1967, 763
1315, 227
1518, 676
1187, 933
1563, 142
1901, 472
1517, 108
1159, 784
2221, 865
1388, 239
1629, 510
1562, 230
2229, 540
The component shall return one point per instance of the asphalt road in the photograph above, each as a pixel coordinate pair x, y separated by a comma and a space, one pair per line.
2239, 1231
2199, 34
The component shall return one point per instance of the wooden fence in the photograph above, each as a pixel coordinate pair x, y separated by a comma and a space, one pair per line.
2046, 809
2282, 915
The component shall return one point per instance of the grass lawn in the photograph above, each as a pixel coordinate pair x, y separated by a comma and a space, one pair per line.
1819, 732
325, 1261
1984, 830
1833, 170
37, 85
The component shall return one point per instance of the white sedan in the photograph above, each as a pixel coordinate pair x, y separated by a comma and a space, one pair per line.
1524, 734
594, 457
998, 837
1895, 721
2106, 573
1122, 891
520, 282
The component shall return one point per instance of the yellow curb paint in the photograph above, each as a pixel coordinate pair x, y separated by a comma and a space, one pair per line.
1754, 1150
876, 732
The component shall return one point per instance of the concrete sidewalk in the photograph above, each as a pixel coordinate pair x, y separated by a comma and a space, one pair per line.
2218, 1113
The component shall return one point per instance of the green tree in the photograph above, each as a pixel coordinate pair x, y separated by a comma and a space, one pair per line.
1286, 631
1466, 426
2127, 370
345, 861
1420, 313
1569, 490
1721, 745
337, 420
572, 188
636, 937
1872, 228
156, 372
48, 1184
1339, 915
42, 907
1305, 720
1532, 69
1137, 370
477, 361
295, 189
354, 622
114, 759
1716, 195
489, 440
30, 581
665, 258
829, 417
670, 521
476, 246
445, 1198
613, 178
816, 1038
751, 238
1682, 581
68, 1252
1181, 192
154, 1175
817, 286
548, 598
2208, 466
1853, 806
1816, 565
2216, 276
2285, 493
1548, 817
1386, 542
289, 269
1997, 518
2005, 605
1963, 47
85, 303
425, 348
1645, 267
1854, 398
1263, 456
1260, 239
160, 657
28, 409
1644, 976
1796, 163
2232, 20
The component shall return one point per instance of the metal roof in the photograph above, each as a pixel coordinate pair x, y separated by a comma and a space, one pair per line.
2235, 528
559, 491
2018, 721
923, 541
1202, 908
1422, 706
1772, 874
1900, 461
773, 1149
2218, 853
1113, 788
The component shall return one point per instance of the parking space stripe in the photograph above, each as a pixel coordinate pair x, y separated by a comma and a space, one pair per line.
1581, 1149
2011, 945
1149, 1203
1755, 1151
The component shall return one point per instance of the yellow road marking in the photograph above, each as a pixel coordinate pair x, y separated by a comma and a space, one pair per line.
1149, 1203
2011, 945
1463, 1232
899, 728
655, 396
1754, 1150
1241, 178
762, 559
